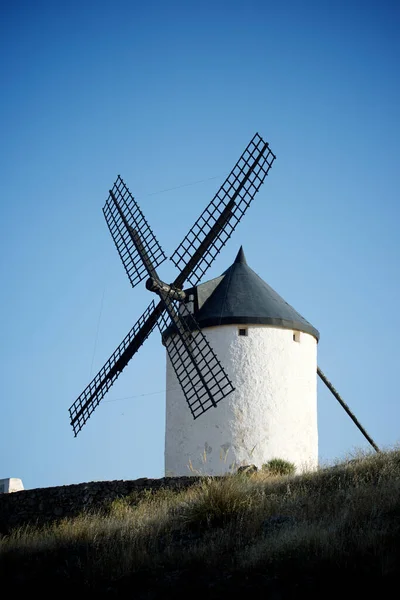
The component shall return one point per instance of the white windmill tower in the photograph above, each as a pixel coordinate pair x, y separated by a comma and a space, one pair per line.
269, 352
233, 331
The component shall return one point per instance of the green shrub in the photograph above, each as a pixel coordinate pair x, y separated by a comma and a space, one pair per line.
278, 466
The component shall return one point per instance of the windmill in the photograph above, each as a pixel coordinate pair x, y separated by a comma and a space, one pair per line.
201, 376
194, 322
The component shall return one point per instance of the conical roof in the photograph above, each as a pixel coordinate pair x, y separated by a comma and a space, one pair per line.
240, 296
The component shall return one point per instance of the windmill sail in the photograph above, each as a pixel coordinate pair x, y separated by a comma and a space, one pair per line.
121, 202
201, 376
84, 405
239, 188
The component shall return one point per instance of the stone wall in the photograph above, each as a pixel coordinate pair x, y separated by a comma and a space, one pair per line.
45, 505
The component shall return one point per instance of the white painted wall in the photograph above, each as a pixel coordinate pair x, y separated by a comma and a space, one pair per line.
12, 484
271, 414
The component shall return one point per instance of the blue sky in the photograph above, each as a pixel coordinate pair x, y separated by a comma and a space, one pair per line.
168, 94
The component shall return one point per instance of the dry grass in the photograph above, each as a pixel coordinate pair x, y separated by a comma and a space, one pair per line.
340, 518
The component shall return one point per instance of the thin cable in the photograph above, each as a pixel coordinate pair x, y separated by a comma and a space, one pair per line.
178, 187
97, 332
137, 396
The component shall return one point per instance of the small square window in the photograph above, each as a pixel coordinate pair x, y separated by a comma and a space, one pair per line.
296, 336
242, 331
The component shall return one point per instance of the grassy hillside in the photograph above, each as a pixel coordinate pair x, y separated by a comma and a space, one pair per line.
318, 534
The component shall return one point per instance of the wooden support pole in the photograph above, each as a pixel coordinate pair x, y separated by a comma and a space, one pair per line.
347, 409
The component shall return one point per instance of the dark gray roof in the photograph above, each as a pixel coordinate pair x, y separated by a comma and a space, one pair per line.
240, 296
